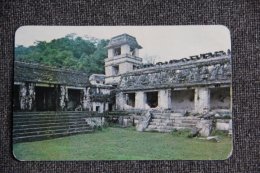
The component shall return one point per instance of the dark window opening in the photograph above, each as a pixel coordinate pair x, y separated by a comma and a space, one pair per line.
182, 99
220, 98
115, 70
16, 100
45, 99
73, 99
97, 108
117, 51
152, 99
130, 99
110, 107
132, 51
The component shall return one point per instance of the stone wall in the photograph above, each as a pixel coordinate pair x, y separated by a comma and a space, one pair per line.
47, 88
182, 99
192, 73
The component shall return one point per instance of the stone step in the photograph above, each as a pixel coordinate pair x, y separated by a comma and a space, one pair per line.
31, 118
47, 121
177, 114
184, 118
160, 125
50, 131
190, 121
41, 125
48, 136
166, 130
57, 127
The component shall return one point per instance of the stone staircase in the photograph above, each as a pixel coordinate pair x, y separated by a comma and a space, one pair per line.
165, 122
36, 126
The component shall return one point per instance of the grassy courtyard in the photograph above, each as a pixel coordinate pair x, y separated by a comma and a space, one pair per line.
123, 144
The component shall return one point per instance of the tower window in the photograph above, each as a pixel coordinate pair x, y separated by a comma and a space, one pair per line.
117, 52
115, 70
132, 51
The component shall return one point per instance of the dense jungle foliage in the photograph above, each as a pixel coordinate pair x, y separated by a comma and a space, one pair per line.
73, 52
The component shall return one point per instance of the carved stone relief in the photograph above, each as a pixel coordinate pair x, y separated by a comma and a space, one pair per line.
178, 76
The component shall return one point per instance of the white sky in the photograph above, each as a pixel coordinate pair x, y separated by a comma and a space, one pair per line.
167, 42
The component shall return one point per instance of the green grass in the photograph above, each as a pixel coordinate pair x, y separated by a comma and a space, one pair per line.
123, 144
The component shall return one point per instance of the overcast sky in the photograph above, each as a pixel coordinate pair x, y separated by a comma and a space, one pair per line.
167, 42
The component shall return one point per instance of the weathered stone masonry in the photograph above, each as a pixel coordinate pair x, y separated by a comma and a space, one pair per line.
198, 83
46, 88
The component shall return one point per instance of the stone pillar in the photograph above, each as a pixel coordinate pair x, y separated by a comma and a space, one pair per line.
120, 101
164, 99
86, 99
125, 49
106, 106
23, 96
110, 53
109, 70
202, 99
31, 96
140, 100
63, 97
136, 52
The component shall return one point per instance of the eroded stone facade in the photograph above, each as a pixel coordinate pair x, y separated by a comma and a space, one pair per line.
198, 83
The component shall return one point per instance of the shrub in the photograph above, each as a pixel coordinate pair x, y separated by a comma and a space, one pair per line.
182, 133
97, 126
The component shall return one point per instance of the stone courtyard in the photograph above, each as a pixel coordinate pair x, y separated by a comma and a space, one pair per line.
177, 94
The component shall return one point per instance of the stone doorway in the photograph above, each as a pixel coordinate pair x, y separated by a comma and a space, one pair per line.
220, 98
45, 98
182, 99
74, 99
152, 99
130, 99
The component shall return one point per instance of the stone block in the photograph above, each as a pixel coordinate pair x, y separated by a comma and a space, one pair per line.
205, 126
222, 126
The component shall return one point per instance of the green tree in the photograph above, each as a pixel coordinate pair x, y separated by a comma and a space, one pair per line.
70, 51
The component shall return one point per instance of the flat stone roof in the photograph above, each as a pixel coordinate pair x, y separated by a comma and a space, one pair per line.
121, 40
32, 72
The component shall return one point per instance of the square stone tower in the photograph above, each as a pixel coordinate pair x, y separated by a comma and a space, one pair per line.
123, 52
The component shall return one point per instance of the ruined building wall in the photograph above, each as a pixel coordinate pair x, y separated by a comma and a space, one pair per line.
185, 85
182, 99
46, 88
192, 73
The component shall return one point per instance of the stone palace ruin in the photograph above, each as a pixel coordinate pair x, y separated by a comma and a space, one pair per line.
177, 94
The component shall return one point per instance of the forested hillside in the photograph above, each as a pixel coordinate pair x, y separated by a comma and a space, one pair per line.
85, 55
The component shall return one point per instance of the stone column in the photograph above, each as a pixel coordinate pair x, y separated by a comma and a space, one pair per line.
23, 96
202, 99
164, 99
31, 96
136, 52
62, 97
110, 52
140, 100
120, 101
85, 99
125, 49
